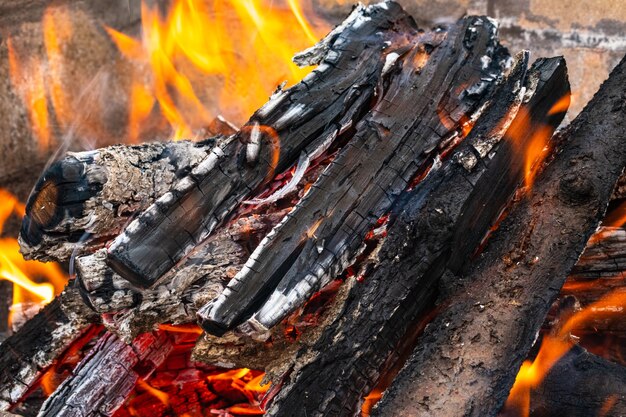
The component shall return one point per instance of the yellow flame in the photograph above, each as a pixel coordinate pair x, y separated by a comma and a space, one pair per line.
554, 346
242, 46
14, 268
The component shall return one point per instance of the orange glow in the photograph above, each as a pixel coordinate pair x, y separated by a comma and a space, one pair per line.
14, 268
158, 394
555, 345
237, 50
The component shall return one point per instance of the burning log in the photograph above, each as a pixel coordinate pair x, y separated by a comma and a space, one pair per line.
352, 354
105, 377
27, 353
401, 135
87, 198
468, 357
200, 278
580, 384
302, 121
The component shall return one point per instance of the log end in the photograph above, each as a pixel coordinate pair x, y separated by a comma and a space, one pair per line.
60, 194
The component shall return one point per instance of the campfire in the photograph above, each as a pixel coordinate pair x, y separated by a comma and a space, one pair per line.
308, 209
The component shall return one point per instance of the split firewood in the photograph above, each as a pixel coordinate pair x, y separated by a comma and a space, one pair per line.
27, 353
424, 240
86, 198
408, 128
301, 122
106, 375
468, 357
200, 278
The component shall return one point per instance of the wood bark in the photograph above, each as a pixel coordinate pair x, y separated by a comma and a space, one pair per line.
468, 357
86, 198
303, 120
403, 132
354, 352
28, 352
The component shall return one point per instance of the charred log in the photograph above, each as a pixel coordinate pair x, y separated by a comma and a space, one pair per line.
105, 377
580, 384
406, 130
86, 198
425, 239
467, 359
301, 121
27, 353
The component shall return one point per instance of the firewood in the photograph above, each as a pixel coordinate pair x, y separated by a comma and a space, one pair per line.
469, 355
422, 241
398, 137
27, 353
580, 384
108, 373
199, 278
86, 198
301, 121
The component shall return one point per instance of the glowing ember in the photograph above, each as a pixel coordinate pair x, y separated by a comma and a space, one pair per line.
14, 268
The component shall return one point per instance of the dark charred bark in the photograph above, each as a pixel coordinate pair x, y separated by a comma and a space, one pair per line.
32, 349
86, 198
440, 82
468, 357
301, 121
356, 350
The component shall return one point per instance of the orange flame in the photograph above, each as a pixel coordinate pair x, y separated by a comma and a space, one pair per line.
535, 150
248, 383
239, 49
158, 394
554, 346
14, 268
192, 63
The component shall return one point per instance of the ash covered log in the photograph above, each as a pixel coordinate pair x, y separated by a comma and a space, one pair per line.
27, 353
447, 208
301, 121
176, 299
467, 359
108, 373
86, 198
439, 82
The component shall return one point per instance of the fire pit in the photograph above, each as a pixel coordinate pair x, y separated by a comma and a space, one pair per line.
421, 220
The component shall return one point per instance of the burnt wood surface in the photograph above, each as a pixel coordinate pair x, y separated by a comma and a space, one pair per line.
86, 198
365, 341
467, 359
107, 374
303, 120
442, 75
35, 346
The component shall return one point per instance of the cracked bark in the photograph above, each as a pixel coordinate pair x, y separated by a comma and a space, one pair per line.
467, 359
